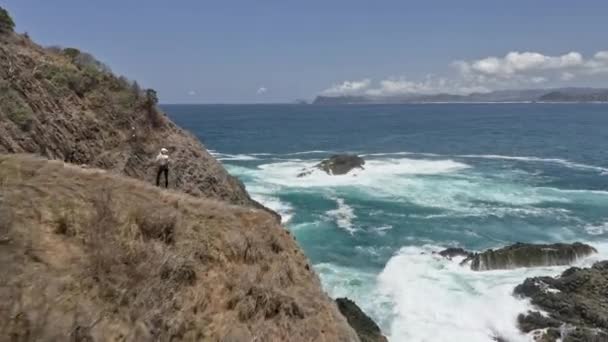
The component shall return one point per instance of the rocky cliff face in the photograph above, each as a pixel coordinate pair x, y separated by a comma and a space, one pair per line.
63, 104
366, 328
522, 255
575, 305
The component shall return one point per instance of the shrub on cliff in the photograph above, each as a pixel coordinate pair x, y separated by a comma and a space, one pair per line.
14, 107
6, 22
151, 101
71, 53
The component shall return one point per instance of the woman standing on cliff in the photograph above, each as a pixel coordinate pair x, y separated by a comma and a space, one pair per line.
162, 160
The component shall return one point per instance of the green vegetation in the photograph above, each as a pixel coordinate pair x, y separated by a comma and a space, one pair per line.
151, 101
151, 98
14, 107
71, 53
6, 22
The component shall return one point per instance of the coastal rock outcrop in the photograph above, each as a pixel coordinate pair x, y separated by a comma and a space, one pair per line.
366, 328
522, 255
452, 252
341, 164
575, 305
529, 255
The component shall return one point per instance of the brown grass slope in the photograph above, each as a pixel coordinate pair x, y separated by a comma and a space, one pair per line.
56, 102
87, 255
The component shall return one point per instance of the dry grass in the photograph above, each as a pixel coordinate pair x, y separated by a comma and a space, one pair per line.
6, 220
141, 264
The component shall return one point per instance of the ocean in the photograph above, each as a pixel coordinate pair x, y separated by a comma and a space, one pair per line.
475, 176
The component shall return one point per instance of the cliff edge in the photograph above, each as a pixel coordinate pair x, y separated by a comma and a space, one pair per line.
94, 256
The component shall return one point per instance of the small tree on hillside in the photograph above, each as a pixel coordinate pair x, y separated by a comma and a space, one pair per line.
71, 52
151, 98
6, 22
136, 89
151, 102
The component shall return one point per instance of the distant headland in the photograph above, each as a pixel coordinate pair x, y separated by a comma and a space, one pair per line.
555, 95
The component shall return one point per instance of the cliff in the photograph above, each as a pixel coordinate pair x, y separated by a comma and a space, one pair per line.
94, 256
89, 254
62, 103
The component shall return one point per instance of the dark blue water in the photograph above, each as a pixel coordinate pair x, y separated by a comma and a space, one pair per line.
470, 175
571, 131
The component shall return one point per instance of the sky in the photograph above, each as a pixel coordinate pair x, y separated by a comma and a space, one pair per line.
257, 51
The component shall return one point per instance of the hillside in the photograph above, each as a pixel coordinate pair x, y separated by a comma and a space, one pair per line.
91, 250
96, 256
515, 95
62, 102
564, 96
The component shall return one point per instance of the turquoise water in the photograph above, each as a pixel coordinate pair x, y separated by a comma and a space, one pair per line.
470, 175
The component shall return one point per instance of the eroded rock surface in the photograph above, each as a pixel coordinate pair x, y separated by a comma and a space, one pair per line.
529, 255
575, 303
341, 164
365, 327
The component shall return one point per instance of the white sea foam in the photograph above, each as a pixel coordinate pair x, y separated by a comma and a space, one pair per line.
403, 154
559, 161
419, 297
597, 229
286, 173
405, 180
284, 209
223, 156
383, 229
343, 215
435, 299
310, 152
360, 286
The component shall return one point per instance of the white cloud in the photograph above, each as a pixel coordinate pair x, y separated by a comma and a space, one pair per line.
602, 55
567, 76
514, 70
261, 90
521, 62
395, 86
529, 66
191, 92
538, 79
348, 88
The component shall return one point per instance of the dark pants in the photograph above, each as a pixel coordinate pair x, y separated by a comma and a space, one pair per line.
163, 169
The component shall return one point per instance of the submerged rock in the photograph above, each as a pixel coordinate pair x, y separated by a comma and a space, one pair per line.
529, 255
451, 252
575, 305
341, 164
364, 326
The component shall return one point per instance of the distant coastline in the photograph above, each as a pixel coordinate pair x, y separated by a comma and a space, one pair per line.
559, 95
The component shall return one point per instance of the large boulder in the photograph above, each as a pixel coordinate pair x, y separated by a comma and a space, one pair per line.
575, 305
529, 255
341, 164
364, 326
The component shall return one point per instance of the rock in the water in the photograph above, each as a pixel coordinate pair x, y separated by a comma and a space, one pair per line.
365, 327
451, 252
576, 304
341, 164
529, 255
